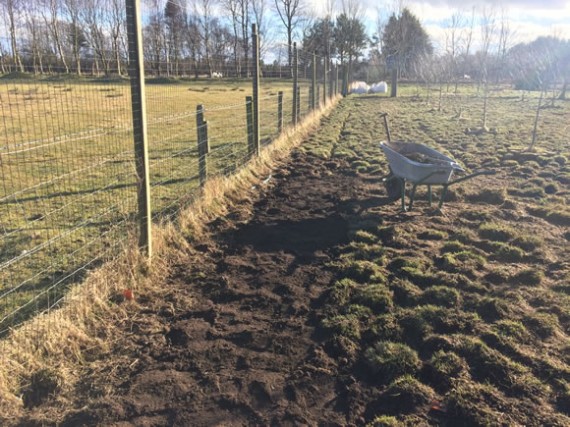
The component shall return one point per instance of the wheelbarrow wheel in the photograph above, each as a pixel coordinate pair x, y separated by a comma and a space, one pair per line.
393, 187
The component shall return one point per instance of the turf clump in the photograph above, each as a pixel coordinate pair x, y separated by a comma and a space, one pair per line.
444, 366
346, 325
441, 296
388, 360
432, 235
528, 277
497, 232
543, 325
363, 272
507, 253
405, 292
341, 292
386, 328
405, 389
378, 297
491, 196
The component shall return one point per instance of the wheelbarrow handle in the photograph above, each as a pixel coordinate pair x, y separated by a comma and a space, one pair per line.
386, 127
473, 175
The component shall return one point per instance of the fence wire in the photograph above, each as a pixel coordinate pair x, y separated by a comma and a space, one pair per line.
68, 199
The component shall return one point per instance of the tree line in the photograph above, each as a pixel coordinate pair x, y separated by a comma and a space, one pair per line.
202, 37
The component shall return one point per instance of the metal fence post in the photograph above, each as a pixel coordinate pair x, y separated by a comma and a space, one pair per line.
295, 82
314, 82
203, 144
256, 73
136, 74
280, 112
249, 117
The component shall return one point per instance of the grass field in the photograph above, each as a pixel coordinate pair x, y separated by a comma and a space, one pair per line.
68, 194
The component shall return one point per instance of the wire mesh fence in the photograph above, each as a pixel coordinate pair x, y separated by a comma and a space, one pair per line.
69, 191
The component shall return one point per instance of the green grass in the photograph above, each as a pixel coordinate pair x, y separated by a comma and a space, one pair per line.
69, 193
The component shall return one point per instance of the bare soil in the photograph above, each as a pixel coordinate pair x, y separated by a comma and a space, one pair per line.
249, 350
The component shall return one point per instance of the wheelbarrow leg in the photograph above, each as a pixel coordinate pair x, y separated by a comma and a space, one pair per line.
430, 198
443, 193
403, 195
412, 195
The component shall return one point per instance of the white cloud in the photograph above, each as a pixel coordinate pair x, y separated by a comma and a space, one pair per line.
528, 19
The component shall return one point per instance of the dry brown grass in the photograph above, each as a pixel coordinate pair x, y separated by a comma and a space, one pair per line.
65, 342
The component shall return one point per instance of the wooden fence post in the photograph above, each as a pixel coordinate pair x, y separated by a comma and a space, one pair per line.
314, 82
295, 82
256, 73
394, 85
203, 144
345, 80
298, 102
325, 71
136, 74
249, 118
336, 79
280, 112
331, 82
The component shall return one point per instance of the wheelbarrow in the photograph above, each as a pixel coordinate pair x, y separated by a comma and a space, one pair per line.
420, 165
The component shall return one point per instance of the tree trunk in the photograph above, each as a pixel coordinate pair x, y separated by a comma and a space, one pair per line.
535, 128
563, 91
13, 39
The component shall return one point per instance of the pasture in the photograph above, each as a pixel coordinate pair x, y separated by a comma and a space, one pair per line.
316, 299
68, 197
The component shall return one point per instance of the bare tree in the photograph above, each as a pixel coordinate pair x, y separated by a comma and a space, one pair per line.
505, 43
117, 21
488, 29
72, 10
36, 37
203, 14
154, 34
261, 18
232, 7
12, 9
289, 11
453, 41
51, 14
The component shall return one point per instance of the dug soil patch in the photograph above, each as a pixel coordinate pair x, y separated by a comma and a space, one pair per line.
248, 351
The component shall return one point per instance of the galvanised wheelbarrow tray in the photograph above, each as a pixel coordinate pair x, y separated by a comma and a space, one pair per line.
420, 165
